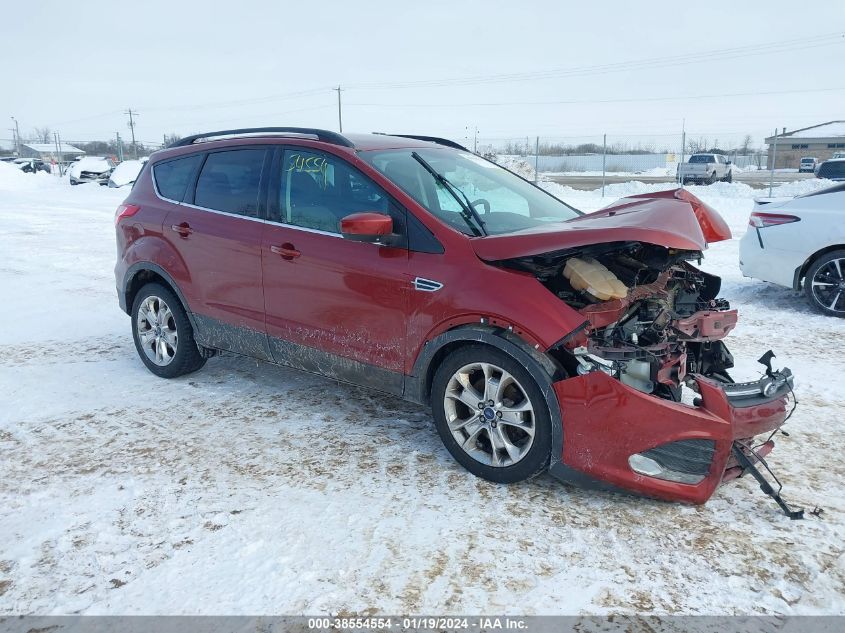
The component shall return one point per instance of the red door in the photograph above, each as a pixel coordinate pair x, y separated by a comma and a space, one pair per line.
218, 235
333, 305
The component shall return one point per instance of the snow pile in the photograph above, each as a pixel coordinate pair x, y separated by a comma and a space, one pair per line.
731, 190
516, 164
13, 179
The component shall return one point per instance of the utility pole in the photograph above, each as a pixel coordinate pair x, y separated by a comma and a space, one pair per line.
339, 110
59, 156
536, 160
119, 144
17, 136
774, 160
683, 148
603, 162
133, 114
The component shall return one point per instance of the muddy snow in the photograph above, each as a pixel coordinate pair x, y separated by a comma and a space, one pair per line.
251, 489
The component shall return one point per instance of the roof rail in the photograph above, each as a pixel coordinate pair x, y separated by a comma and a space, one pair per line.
430, 139
321, 135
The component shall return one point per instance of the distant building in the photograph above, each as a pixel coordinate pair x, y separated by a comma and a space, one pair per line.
820, 141
47, 152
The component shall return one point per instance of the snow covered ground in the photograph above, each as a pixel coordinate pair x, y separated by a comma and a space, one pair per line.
252, 489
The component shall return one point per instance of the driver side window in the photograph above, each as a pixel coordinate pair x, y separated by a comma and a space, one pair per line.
319, 189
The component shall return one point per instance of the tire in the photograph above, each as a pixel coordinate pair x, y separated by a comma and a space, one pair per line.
712, 178
730, 176
494, 427
824, 284
169, 350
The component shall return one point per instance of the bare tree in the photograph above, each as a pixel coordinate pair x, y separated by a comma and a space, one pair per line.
171, 138
43, 134
745, 148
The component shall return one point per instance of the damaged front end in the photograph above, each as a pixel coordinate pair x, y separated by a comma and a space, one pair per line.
649, 405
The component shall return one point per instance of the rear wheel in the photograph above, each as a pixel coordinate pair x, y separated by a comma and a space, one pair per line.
712, 178
163, 334
824, 284
491, 415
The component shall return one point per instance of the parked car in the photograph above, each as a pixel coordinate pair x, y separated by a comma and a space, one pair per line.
126, 173
31, 165
838, 155
800, 242
543, 339
90, 169
705, 169
807, 164
833, 169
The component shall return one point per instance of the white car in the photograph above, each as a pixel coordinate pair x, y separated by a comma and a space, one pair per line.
90, 169
800, 242
126, 173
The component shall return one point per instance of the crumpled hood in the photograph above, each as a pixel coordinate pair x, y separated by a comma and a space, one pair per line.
674, 219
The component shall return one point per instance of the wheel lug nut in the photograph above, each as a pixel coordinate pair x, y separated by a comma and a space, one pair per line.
499, 414
480, 405
490, 403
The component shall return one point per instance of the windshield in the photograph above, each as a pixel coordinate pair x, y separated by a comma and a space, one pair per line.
503, 201
702, 158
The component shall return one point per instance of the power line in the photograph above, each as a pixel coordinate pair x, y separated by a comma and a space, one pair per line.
592, 101
764, 48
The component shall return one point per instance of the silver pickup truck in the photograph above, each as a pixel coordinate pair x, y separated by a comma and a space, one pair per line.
705, 169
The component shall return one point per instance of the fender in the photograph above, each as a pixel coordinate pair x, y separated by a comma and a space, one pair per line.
541, 367
141, 266
144, 250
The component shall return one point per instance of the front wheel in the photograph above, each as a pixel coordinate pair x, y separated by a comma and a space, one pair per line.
824, 284
163, 334
729, 177
491, 415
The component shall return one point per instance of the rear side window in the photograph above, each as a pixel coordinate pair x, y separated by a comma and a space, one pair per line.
230, 182
172, 176
702, 158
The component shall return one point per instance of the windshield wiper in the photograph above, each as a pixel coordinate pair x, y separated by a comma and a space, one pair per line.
468, 211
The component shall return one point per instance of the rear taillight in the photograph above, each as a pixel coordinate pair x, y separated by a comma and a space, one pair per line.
125, 211
762, 220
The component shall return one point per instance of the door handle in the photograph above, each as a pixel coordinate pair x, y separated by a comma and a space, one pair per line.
286, 250
184, 229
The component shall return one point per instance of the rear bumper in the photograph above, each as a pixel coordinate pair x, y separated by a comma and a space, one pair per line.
605, 423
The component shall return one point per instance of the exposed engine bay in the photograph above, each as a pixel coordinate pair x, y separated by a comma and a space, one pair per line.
651, 317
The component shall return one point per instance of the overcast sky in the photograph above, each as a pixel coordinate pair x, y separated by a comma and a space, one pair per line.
513, 69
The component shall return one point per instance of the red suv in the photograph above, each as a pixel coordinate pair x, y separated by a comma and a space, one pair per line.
542, 338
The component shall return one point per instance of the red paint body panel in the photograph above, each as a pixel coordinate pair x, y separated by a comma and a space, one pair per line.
605, 422
713, 226
340, 296
669, 223
224, 256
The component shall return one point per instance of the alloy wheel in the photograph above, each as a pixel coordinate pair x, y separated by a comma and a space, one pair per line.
828, 285
156, 329
489, 414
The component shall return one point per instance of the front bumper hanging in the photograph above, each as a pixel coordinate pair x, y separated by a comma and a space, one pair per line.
617, 436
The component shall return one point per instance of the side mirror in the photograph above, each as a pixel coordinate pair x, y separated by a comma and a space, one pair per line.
376, 228
727, 162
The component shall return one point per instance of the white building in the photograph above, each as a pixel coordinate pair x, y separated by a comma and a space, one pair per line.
47, 152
